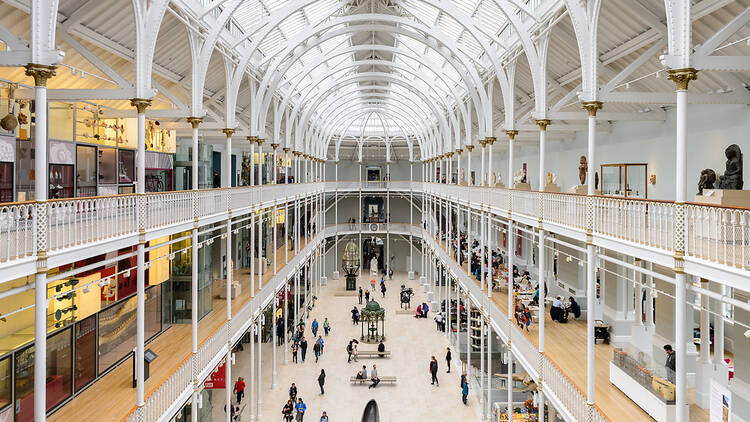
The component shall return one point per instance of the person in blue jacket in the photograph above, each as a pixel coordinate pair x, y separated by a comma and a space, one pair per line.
301, 408
464, 388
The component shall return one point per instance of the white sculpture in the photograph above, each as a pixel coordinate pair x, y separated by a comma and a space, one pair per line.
519, 177
462, 180
499, 180
374, 265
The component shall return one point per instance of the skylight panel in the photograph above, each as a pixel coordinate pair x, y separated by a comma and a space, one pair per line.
467, 6
272, 42
293, 25
450, 26
249, 14
422, 11
274, 5
491, 17
320, 10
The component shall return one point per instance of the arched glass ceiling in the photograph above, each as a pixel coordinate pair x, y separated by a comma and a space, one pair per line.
420, 58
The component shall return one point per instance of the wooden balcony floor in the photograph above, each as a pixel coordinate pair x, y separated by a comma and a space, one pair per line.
565, 345
113, 396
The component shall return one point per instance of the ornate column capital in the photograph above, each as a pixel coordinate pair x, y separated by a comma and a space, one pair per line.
40, 72
296, 153
286, 150
140, 104
274, 146
469, 148
228, 132
459, 151
592, 107
483, 142
543, 123
682, 77
260, 141
490, 140
511, 134
252, 139
195, 121
449, 154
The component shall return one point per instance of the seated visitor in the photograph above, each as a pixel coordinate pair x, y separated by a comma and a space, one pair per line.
418, 312
574, 308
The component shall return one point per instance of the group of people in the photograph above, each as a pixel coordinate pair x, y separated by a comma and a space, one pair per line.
295, 407
421, 311
373, 375
560, 311
299, 342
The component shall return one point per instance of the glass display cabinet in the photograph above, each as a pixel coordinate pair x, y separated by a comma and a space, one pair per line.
628, 180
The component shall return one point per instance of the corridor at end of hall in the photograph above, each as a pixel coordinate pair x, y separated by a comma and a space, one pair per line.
411, 342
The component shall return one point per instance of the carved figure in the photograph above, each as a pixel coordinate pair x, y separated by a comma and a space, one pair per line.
499, 181
519, 177
583, 167
462, 180
707, 180
494, 179
732, 177
549, 178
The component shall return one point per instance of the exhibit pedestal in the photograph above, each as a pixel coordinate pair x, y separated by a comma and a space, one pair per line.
521, 186
500, 185
411, 275
423, 280
656, 407
335, 275
324, 281
725, 197
551, 187
583, 190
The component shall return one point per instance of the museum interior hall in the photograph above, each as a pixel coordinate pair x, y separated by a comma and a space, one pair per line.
374, 210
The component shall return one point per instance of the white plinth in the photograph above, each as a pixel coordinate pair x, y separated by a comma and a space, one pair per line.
423, 280
323, 281
426, 288
648, 401
411, 275
335, 275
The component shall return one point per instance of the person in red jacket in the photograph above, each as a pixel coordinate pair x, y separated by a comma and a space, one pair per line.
239, 389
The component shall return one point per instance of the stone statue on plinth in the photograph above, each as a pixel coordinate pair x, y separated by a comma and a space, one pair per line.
732, 177
707, 180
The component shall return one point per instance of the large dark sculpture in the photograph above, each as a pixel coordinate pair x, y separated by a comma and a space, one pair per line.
732, 177
371, 413
350, 264
707, 180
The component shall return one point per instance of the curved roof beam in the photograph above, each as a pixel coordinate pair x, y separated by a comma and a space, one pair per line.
365, 47
366, 76
436, 40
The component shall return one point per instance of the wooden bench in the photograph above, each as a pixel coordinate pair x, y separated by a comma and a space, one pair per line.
360, 381
373, 354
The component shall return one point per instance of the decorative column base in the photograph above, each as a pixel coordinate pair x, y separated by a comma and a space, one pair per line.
411, 275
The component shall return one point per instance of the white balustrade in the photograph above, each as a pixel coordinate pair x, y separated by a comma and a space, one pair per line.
76, 222
168, 208
526, 203
643, 222
17, 238
565, 209
718, 234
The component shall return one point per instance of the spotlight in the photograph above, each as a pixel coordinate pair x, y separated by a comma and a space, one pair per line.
747, 334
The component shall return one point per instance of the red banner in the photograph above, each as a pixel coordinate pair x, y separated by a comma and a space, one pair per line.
519, 243
217, 379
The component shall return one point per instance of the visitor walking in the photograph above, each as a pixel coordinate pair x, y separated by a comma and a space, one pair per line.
293, 392
316, 350
360, 295
326, 327
320, 343
303, 348
367, 296
382, 288
239, 389
355, 353
448, 360
349, 350
355, 315
295, 347
464, 388
434, 371
287, 410
322, 380
314, 327
372, 284
324, 417
301, 408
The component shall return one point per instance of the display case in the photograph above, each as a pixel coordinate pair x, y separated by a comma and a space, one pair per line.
126, 166
60, 181
107, 166
629, 180
6, 182
86, 174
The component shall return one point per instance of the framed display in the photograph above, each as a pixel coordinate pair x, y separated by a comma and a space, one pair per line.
60, 181
626, 179
107, 165
126, 166
86, 159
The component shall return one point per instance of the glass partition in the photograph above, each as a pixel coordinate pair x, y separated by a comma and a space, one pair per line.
5, 383
86, 170
85, 354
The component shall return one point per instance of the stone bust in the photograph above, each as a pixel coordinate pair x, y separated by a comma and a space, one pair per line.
583, 167
732, 177
707, 180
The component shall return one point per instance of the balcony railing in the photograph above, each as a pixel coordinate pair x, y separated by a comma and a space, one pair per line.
713, 234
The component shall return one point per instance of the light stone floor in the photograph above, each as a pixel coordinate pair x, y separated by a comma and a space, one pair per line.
412, 342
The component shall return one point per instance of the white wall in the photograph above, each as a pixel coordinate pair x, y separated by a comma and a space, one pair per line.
711, 128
